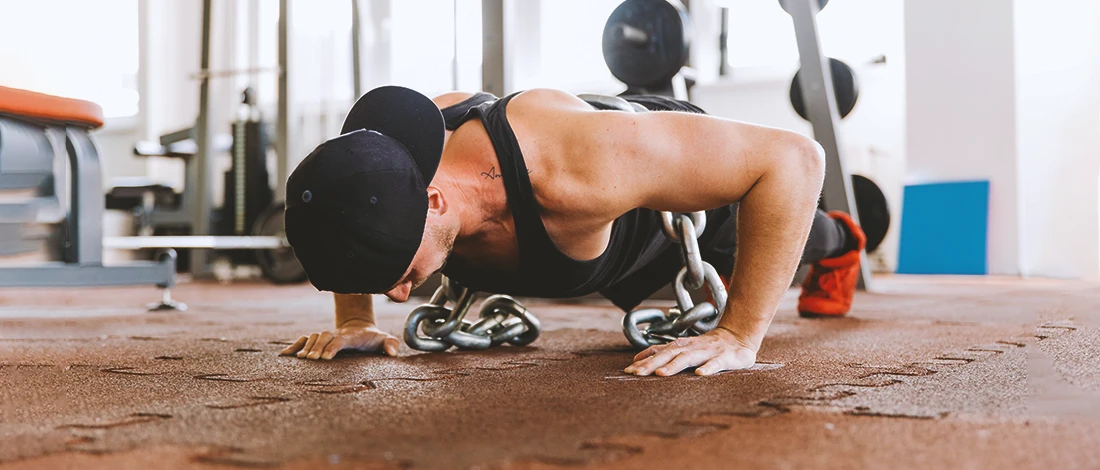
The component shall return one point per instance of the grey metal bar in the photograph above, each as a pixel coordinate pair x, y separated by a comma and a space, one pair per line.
199, 173
163, 217
26, 159
56, 274
723, 47
282, 123
356, 37
183, 241
817, 90
59, 184
85, 235
492, 47
19, 212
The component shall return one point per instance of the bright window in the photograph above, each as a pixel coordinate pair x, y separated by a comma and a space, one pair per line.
571, 46
761, 34
73, 48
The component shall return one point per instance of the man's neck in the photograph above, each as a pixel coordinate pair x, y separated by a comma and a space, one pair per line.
480, 202
479, 213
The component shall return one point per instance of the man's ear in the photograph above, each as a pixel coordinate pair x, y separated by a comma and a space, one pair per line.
437, 203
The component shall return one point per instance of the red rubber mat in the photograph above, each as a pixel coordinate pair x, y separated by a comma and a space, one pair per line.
927, 373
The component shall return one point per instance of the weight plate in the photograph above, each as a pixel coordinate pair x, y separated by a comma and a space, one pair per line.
874, 214
821, 4
279, 265
645, 42
845, 87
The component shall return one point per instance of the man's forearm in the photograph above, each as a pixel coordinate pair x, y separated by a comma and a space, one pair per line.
353, 308
773, 223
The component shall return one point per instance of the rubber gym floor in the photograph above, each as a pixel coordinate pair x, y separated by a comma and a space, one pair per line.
926, 373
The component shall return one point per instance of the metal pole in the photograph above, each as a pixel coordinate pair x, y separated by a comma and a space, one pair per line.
723, 43
282, 124
199, 175
817, 91
356, 37
194, 242
454, 50
492, 46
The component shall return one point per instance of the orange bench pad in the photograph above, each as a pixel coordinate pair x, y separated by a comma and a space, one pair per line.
49, 108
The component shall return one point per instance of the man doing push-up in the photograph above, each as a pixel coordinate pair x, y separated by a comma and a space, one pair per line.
540, 194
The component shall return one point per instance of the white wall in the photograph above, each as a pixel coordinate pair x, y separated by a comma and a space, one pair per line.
1058, 136
1006, 92
960, 107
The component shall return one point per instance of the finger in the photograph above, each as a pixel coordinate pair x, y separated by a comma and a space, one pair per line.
689, 358
638, 358
648, 352
647, 366
294, 347
333, 347
712, 366
319, 346
738, 360
669, 351
727, 361
391, 345
308, 346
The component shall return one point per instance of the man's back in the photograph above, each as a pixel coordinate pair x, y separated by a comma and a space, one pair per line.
572, 186
570, 223
549, 192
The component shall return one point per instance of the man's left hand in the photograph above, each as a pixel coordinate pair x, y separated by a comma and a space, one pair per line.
716, 351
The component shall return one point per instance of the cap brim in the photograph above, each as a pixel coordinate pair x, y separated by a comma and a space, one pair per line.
406, 116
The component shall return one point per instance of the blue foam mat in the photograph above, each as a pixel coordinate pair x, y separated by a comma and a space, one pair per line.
945, 228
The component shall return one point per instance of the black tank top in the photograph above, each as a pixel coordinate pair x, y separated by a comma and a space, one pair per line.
544, 271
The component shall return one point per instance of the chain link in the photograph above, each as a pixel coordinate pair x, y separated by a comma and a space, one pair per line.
647, 327
501, 319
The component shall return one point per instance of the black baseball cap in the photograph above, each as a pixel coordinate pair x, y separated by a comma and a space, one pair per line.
357, 205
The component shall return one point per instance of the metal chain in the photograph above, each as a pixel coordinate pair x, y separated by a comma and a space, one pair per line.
646, 327
501, 319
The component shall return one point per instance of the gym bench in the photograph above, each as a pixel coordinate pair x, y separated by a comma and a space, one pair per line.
44, 141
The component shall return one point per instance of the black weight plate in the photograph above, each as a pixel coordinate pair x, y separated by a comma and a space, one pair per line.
651, 62
821, 4
279, 265
874, 214
845, 87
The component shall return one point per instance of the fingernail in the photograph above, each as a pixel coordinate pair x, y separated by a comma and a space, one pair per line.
629, 370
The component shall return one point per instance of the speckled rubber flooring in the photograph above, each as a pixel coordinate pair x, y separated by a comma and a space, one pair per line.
926, 373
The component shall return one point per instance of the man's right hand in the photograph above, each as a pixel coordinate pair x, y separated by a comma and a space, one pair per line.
354, 334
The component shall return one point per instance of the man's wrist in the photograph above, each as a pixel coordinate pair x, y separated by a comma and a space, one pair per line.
356, 322
738, 338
